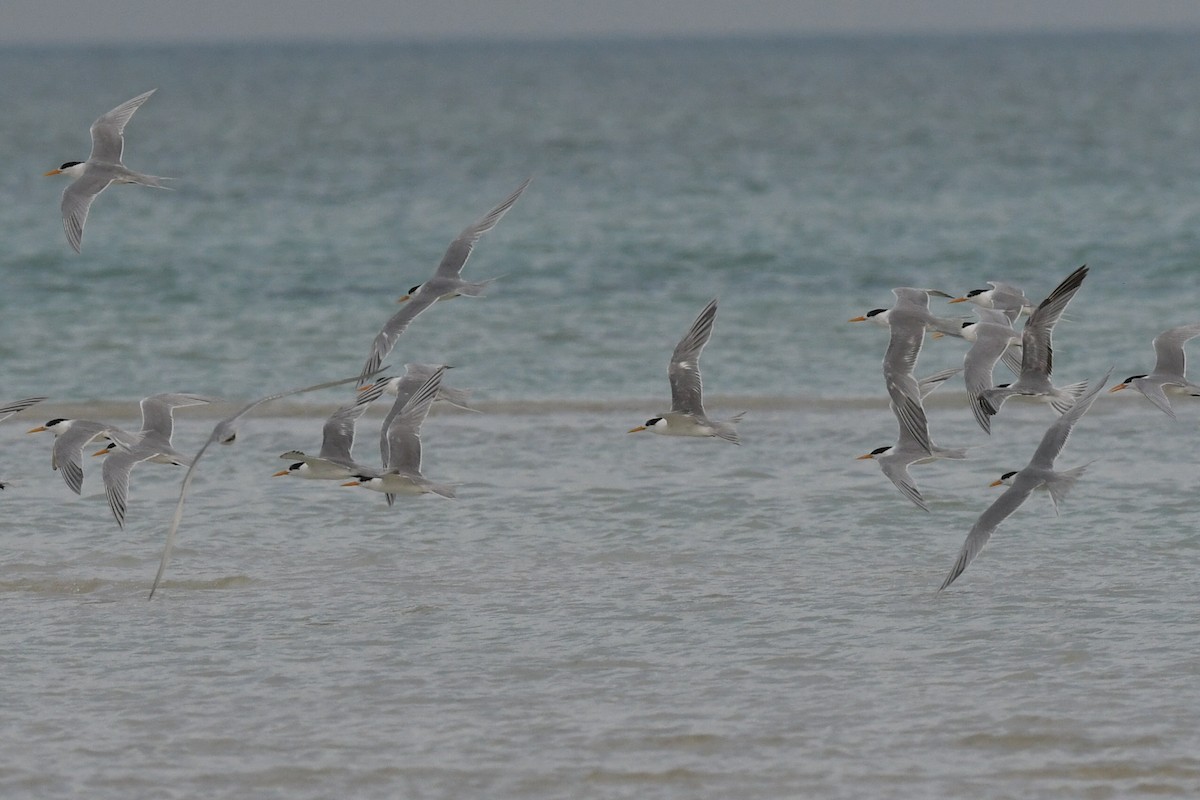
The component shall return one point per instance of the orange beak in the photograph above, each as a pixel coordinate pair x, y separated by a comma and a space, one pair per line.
868, 455
38, 429
638, 428
280, 474
1116, 388
996, 483
52, 172
102, 452
858, 319
351, 483
402, 299
958, 300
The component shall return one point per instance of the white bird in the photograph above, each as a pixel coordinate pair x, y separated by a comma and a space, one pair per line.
334, 461
1039, 473
992, 338
151, 443
894, 460
1002, 297
445, 284
402, 468
70, 437
1037, 362
224, 432
687, 417
1170, 367
103, 166
908, 320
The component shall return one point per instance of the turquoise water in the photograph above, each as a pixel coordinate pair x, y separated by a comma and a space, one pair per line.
600, 615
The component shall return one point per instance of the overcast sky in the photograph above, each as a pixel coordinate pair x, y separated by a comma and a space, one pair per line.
116, 21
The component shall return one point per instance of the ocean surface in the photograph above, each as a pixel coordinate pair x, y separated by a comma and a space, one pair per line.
600, 615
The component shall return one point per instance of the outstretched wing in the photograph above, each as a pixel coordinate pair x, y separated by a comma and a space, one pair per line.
460, 249
684, 369
108, 131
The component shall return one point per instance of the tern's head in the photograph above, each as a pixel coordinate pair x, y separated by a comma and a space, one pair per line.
655, 424
1005, 480
58, 425
876, 315
293, 469
408, 295
1127, 382
878, 451
362, 480
108, 448
72, 168
973, 296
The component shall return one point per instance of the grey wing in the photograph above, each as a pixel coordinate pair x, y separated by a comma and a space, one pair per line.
77, 201
337, 436
897, 473
1055, 437
904, 347
158, 410
978, 364
68, 451
224, 432
460, 249
988, 521
1155, 394
404, 431
1036, 350
1168, 348
385, 340
919, 297
684, 370
931, 382
109, 129
117, 466
8, 409
404, 391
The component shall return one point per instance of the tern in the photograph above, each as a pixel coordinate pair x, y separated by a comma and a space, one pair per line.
1039, 473
70, 437
687, 417
102, 167
895, 459
1001, 297
334, 462
1037, 360
402, 468
992, 338
445, 284
1169, 368
152, 443
908, 320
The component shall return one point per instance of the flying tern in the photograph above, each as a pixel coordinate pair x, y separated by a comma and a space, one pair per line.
401, 472
687, 417
1037, 360
894, 460
445, 283
1169, 368
1039, 473
102, 168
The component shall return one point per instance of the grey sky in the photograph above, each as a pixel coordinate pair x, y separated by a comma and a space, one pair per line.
37, 21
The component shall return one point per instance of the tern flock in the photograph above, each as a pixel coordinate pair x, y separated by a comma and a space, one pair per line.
992, 335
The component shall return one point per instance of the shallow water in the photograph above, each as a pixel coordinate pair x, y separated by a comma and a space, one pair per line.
600, 614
